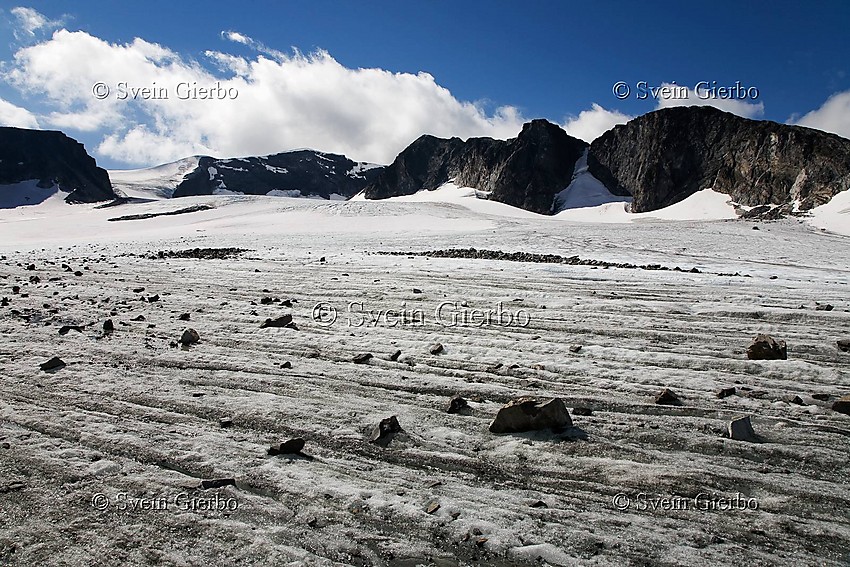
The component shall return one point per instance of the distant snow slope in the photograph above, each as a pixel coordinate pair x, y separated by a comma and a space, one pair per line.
585, 191
25, 193
152, 182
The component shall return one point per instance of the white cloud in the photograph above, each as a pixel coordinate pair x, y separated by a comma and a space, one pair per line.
685, 96
30, 21
590, 124
283, 102
833, 115
11, 115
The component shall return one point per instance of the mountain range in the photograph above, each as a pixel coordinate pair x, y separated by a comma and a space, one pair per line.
655, 160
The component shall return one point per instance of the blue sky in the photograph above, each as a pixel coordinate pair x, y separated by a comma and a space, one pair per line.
536, 59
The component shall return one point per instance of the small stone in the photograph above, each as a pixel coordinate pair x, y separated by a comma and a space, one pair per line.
575, 348
282, 321
539, 504
385, 431
842, 405
286, 365
741, 429
394, 356
582, 411
843, 345
436, 348
457, 405
225, 422
153, 298
54, 363
432, 507
824, 307
821, 397
189, 337
765, 347
185, 317
65, 329
796, 400
108, 326
667, 398
5, 302
138, 290
362, 358
726, 392
218, 483
138, 318
291, 446
78, 273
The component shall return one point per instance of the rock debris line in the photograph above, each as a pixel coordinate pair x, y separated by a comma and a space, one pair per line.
197, 253
192, 209
474, 254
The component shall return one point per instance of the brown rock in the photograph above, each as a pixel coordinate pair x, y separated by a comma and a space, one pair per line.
765, 347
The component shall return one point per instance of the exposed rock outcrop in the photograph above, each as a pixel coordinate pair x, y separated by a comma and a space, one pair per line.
297, 173
526, 171
53, 159
665, 156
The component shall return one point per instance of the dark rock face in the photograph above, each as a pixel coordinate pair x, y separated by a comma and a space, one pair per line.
526, 171
529, 414
53, 159
663, 157
302, 172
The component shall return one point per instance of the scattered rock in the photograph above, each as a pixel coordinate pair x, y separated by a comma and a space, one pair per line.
65, 329
726, 392
575, 348
16, 289
385, 431
843, 345
286, 365
218, 483
824, 307
78, 273
31, 267
5, 303
842, 405
741, 429
138, 318
530, 414
394, 356
582, 411
667, 398
189, 337
538, 504
35, 279
184, 317
765, 347
362, 358
288, 447
417, 290
432, 508
436, 348
796, 400
138, 290
108, 326
54, 363
282, 321
457, 405
153, 298
225, 422
821, 397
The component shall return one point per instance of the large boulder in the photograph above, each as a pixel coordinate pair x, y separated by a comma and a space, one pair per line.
765, 347
530, 414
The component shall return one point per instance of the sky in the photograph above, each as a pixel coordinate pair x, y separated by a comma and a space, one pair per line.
366, 79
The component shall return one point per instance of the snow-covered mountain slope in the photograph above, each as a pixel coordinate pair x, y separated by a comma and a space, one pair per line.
156, 182
133, 420
584, 191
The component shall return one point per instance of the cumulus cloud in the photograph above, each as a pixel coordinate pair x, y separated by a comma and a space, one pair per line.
833, 116
590, 124
30, 21
11, 115
685, 96
282, 101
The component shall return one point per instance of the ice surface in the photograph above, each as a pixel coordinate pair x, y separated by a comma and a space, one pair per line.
131, 415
